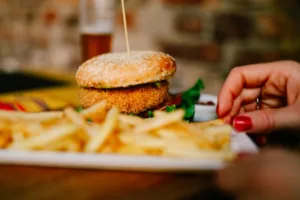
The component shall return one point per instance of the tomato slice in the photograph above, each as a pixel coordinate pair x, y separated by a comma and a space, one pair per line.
20, 107
176, 100
6, 106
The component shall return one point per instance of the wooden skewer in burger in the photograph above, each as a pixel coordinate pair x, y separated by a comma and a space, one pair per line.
134, 82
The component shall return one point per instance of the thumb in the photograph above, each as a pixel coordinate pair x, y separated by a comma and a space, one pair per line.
267, 120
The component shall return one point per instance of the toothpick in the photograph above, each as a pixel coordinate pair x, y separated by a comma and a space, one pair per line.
125, 28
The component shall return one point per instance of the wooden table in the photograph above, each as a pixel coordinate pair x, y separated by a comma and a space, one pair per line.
30, 183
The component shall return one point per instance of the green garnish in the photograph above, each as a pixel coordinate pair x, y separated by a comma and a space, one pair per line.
189, 98
89, 120
193, 93
79, 109
150, 114
170, 108
131, 114
158, 84
189, 112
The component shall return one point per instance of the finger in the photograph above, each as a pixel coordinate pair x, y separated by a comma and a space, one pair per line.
264, 104
267, 120
272, 103
246, 96
250, 76
229, 118
242, 110
250, 107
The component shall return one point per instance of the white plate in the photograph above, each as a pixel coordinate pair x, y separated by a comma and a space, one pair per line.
240, 143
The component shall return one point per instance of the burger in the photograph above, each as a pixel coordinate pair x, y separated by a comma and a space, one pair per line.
135, 83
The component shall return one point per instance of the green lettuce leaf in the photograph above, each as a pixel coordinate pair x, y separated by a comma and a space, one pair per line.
170, 108
189, 99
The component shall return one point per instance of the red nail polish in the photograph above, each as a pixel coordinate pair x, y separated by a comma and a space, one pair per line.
242, 123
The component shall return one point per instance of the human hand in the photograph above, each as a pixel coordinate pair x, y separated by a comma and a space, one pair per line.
277, 85
271, 175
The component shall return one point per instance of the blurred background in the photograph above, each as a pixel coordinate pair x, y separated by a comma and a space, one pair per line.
207, 37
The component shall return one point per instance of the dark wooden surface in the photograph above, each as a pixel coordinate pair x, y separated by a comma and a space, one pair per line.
30, 183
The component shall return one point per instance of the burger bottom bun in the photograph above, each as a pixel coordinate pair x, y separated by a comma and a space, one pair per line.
131, 100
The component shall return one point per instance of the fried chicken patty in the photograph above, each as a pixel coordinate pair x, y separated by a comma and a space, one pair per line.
130, 100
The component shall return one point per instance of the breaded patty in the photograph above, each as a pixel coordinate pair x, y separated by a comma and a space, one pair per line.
131, 100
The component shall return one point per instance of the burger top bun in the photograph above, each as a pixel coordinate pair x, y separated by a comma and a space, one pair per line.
117, 70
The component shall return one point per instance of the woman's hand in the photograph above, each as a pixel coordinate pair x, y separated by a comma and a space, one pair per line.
277, 85
272, 175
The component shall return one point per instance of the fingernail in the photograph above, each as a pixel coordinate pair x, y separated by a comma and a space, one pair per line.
217, 109
242, 123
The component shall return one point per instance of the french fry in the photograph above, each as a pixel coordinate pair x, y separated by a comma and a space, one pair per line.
4, 139
130, 120
182, 144
142, 140
18, 137
203, 125
107, 149
67, 144
183, 135
23, 130
97, 141
123, 127
36, 117
220, 129
34, 129
160, 121
167, 134
72, 145
77, 119
220, 135
54, 134
131, 150
158, 113
111, 132
111, 145
96, 112
56, 146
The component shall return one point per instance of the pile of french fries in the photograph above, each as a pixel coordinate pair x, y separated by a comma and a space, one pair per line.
102, 130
